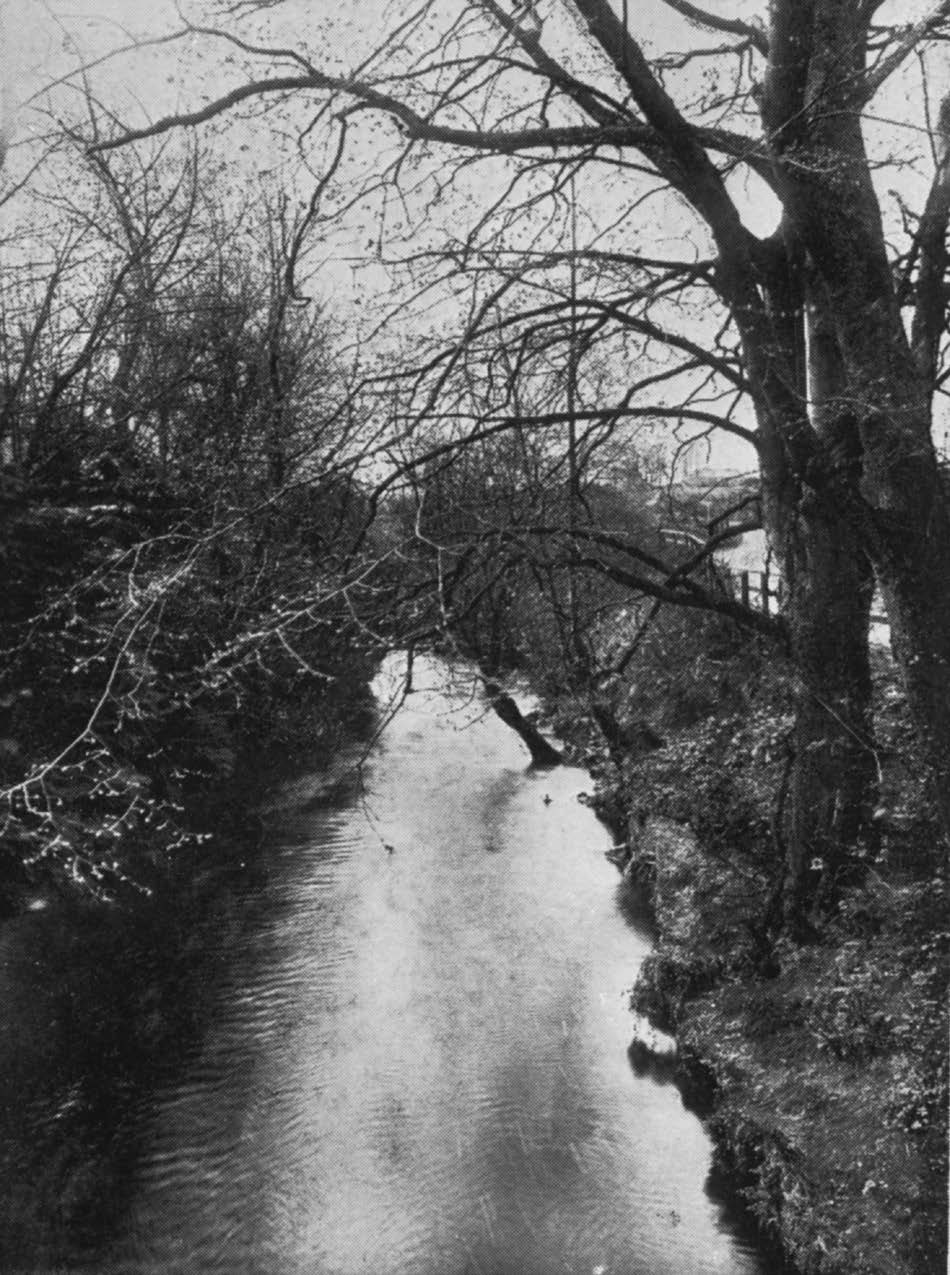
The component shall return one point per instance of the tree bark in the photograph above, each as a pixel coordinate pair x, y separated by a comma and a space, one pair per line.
877, 480
915, 579
542, 753
833, 784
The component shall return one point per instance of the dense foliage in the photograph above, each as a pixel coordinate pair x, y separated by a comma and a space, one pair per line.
178, 521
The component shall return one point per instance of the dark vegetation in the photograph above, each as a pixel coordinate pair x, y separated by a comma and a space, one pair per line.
821, 1063
145, 671
178, 529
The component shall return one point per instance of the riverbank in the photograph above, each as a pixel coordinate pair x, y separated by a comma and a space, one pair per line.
822, 1066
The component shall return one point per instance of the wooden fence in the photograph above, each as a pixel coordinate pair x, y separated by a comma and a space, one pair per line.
763, 590
755, 589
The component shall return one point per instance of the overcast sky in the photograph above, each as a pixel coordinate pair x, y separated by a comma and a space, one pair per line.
41, 39
42, 36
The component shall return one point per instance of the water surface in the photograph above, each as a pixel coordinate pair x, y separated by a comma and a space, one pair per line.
416, 1061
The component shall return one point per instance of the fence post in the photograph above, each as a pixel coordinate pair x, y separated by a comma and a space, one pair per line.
744, 588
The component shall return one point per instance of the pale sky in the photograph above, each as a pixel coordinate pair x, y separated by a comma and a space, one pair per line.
41, 38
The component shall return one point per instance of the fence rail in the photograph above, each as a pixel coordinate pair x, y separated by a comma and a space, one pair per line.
762, 590
760, 595
755, 590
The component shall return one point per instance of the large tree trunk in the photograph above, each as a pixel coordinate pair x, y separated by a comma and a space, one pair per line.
829, 586
915, 578
886, 495
542, 753
833, 783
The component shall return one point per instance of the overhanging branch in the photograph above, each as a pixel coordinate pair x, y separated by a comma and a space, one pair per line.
621, 134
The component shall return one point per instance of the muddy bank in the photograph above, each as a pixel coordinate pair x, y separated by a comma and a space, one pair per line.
820, 1069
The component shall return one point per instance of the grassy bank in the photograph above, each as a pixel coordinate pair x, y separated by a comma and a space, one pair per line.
824, 1064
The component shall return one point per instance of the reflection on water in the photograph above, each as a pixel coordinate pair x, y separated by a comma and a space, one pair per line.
417, 1062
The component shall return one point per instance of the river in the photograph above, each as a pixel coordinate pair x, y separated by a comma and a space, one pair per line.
415, 1059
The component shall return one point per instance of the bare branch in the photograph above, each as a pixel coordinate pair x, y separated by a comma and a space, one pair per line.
687, 593
189, 119
416, 127
588, 99
908, 41
624, 411
750, 31
930, 243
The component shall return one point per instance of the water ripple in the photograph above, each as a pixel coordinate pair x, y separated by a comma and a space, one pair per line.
418, 1060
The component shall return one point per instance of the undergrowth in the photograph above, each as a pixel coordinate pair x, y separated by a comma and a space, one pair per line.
826, 1060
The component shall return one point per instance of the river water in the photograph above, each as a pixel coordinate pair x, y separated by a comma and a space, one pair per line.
416, 1055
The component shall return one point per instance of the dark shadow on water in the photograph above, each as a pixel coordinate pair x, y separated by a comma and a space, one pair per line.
721, 1187
634, 906
104, 1005
97, 1009
337, 793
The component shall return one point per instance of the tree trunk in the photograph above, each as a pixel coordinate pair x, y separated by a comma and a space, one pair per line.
833, 783
624, 739
915, 578
891, 500
829, 587
542, 753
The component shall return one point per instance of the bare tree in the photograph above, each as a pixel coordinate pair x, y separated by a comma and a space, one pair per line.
828, 332
178, 510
